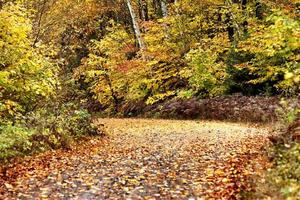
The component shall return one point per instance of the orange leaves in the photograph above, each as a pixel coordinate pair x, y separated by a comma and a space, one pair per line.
130, 65
147, 159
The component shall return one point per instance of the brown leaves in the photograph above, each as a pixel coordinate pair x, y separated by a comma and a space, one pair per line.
44, 163
147, 159
230, 108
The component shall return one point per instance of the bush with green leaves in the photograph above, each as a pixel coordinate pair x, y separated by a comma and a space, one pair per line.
282, 180
45, 129
58, 127
288, 111
14, 141
284, 177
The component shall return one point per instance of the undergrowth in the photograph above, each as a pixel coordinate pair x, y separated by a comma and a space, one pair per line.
45, 129
282, 180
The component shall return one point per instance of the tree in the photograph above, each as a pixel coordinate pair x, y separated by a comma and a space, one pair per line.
274, 48
164, 8
136, 26
103, 67
26, 74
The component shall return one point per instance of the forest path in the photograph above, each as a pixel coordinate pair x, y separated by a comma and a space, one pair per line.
153, 159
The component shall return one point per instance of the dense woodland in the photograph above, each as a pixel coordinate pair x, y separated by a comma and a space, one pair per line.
63, 60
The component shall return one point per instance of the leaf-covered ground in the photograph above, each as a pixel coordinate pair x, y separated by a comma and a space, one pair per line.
146, 159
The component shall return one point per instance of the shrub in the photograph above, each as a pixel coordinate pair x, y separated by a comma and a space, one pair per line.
27, 75
288, 110
286, 174
230, 108
14, 141
282, 181
34, 115
60, 127
44, 129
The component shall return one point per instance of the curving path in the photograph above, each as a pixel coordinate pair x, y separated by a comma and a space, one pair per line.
152, 159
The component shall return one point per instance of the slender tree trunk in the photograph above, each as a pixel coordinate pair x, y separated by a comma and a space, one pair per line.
143, 10
245, 22
39, 23
113, 93
258, 10
233, 28
156, 7
164, 9
135, 25
230, 28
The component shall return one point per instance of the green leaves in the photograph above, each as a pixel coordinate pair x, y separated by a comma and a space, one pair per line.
209, 76
285, 173
14, 141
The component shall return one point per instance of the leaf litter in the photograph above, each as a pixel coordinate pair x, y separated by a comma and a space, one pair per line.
146, 159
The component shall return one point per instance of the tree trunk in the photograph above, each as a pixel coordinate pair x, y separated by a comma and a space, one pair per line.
143, 10
245, 23
233, 28
258, 10
164, 9
38, 27
113, 93
135, 25
156, 7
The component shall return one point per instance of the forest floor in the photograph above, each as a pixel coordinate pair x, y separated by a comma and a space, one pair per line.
147, 159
